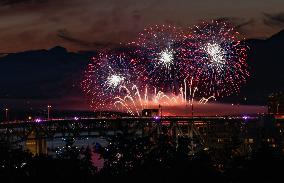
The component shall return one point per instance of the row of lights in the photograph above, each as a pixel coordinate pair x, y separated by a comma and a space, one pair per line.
7, 113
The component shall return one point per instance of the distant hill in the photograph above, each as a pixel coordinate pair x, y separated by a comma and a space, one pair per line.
266, 62
42, 74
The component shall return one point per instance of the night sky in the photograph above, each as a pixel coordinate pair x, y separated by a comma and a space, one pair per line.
88, 24
41, 43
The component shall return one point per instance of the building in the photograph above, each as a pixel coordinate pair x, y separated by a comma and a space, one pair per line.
36, 146
276, 103
150, 112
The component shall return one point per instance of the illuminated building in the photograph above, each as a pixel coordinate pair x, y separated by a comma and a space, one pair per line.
150, 112
36, 146
276, 103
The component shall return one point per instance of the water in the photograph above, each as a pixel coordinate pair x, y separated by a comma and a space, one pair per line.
55, 145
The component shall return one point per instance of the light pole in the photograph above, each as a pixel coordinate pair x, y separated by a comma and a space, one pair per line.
48, 111
6, 112
161, 111
192, 109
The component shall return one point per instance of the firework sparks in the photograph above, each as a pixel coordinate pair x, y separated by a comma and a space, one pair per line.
217, 56
166, 58
212, 57
114, 80
160, 53
133, 103
220, 59
104, 76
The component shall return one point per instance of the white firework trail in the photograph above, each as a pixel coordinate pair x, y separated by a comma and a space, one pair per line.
134, 103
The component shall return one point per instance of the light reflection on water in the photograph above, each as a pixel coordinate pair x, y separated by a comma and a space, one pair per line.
59, 143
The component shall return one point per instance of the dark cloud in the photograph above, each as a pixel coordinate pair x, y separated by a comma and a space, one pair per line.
97, 23
65, 35
274, 19
100, 26
245, 23
136, 15
237, 22
226, 19
15, 2
242, 25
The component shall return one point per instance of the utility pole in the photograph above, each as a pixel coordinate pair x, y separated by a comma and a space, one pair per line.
48, 111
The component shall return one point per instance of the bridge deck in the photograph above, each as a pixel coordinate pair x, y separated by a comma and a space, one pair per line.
184, 119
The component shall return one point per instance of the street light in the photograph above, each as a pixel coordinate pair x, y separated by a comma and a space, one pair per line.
48, 111
6, 112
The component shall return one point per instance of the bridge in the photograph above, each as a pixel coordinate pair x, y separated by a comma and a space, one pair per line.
202, 131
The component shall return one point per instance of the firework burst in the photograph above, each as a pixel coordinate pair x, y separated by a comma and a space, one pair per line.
159, 48
104, 76
220, 66
169, 67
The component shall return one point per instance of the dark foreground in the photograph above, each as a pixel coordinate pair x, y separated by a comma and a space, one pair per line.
143, 160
